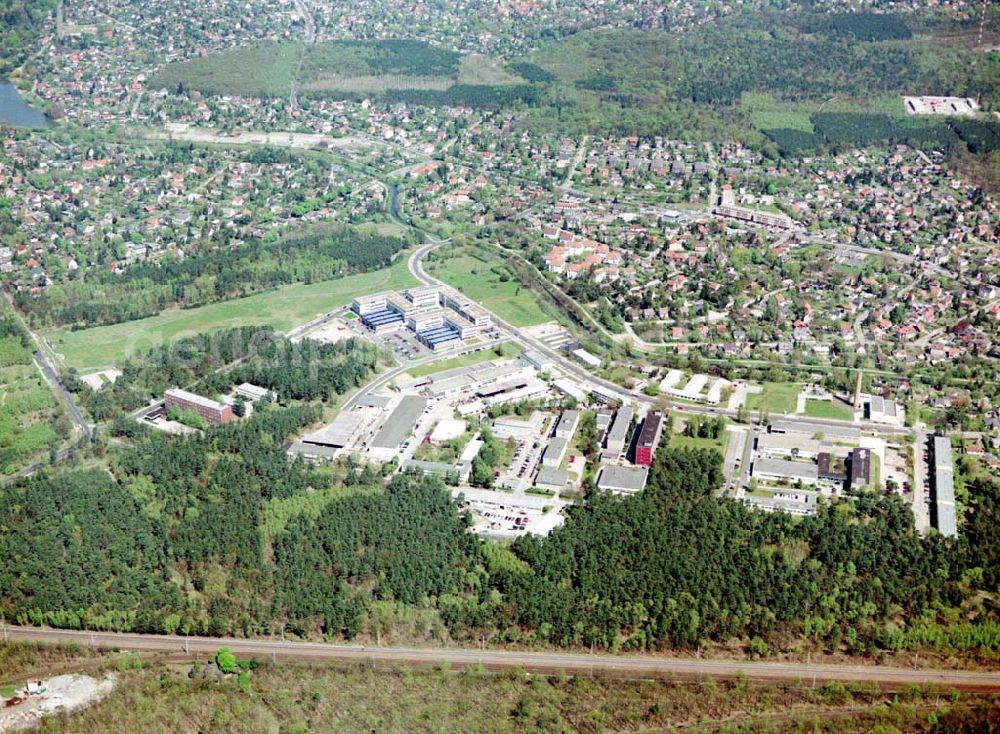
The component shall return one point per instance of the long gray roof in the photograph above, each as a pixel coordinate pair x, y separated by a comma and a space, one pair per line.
780, 467
622, 478
400, 423
944, 487
619, 428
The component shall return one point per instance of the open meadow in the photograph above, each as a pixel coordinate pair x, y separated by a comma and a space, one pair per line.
778, 397
296, 698
835, 410
487, 279
28, 408
281, 308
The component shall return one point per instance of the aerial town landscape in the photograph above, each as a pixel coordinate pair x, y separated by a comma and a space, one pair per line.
498, 365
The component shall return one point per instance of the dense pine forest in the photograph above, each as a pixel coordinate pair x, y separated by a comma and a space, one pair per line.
692, 85
213, 363
222, 534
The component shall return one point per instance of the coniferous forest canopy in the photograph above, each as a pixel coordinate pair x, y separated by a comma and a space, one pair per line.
176, 539
213, 363
690, 85
220, 533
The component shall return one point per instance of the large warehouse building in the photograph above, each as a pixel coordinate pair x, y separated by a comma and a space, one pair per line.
944, 487
398, 427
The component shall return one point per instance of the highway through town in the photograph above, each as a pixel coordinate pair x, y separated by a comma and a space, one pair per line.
631, 666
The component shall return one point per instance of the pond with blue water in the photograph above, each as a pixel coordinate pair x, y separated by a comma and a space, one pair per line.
15, 111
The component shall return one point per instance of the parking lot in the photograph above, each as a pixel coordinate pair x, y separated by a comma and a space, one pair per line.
522, 467
501, 515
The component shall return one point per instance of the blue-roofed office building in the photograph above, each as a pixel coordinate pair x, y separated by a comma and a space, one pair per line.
439, 337
383, 320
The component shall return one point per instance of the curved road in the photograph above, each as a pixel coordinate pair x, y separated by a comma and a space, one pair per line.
628, 666
418, 272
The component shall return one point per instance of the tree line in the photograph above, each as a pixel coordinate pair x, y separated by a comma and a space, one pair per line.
173, 541
98, 296
852, 130
212, 363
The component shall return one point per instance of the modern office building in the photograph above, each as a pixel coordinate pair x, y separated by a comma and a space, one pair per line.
363, 305
428, 295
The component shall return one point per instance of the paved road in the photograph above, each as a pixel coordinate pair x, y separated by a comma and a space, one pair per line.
921, 510
418, 272
50, 373
734, 450
53, 378
631, 665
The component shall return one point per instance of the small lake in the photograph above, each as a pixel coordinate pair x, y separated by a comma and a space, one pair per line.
14, 111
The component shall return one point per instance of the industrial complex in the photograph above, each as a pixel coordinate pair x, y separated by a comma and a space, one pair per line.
436, 423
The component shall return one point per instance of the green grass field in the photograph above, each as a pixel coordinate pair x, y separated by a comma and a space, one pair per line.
680, 441
28, 411
509, 349
272, 68
766, 112
282, 309
778, 397
827, 409
474, 278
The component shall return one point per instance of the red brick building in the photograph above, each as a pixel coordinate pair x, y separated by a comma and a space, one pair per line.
649, 436
210, 410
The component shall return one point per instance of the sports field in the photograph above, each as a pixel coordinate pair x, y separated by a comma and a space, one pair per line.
481, 281
282, 308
